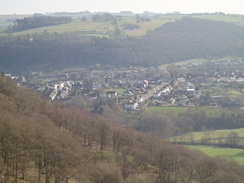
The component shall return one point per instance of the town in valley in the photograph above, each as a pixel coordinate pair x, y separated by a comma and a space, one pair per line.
216, 83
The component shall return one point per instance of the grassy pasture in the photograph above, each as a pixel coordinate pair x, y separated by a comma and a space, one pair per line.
173, 16
96, 28
100, 28
107, 28
210, 112
174, 111
226, 153
181, 63
185, 62
225, 92
191, 61
226, 18
143, 26
235, 92
212, 136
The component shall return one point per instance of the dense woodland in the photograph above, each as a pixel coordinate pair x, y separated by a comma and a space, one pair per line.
192, 120
39, 21
48, 142
106, 17
184, 39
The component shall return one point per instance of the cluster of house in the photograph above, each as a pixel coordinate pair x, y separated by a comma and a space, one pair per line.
235, 76
107, 94
179, 92
139, 87
133, 104
59, 90
138, 84
165, 91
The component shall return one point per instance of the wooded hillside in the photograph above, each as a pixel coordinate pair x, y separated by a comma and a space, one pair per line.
33, 22
184, 39
48, 142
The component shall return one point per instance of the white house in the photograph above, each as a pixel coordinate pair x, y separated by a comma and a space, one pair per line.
156, 95
131, 105
139, 99
111, 93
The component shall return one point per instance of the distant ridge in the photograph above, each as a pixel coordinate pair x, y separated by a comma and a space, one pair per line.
197, 38
188, 38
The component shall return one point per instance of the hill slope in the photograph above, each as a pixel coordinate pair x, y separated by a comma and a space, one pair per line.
46, 142
197, 38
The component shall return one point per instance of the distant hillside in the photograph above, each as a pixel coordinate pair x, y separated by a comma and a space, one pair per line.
236, 19
86, 24
187, 38
90, 26
197, 38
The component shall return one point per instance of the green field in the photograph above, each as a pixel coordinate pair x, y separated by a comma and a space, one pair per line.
80, 27
92, 28
173, 16
226, 18
215, 137
226, 153
169, 110
209, 111
107, 28
235, 92
185, 62
181, 63
144, 27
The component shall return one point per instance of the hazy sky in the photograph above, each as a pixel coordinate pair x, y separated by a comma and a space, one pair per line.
137, 6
